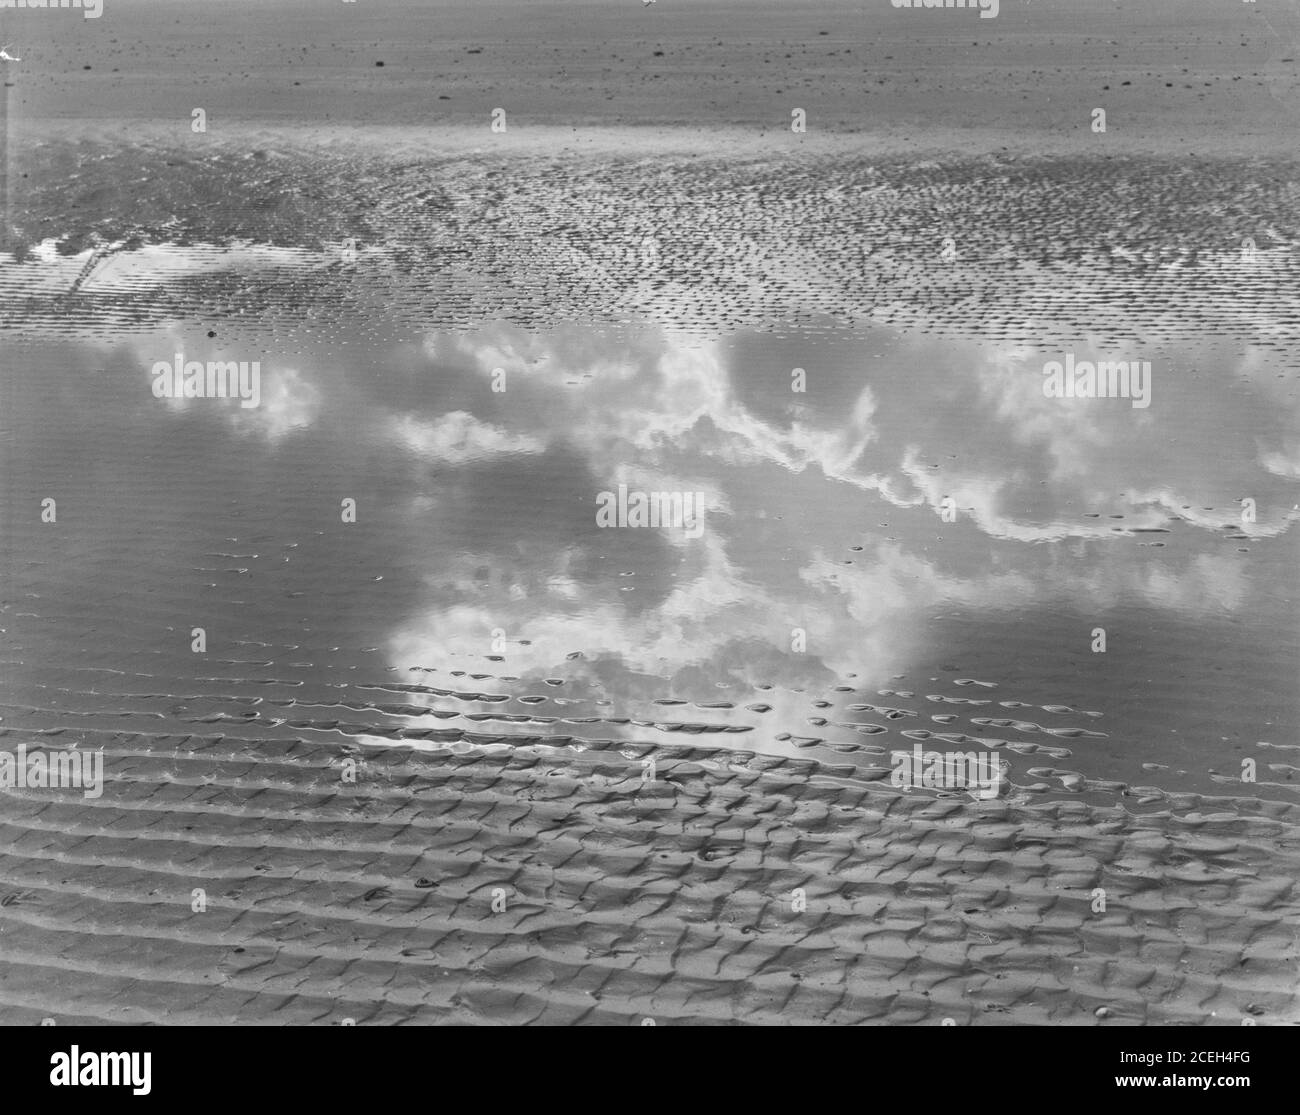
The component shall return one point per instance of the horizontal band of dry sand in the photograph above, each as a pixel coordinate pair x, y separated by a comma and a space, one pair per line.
1173, 76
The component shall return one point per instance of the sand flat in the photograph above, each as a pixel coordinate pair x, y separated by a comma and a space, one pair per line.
473, 758
1200, 74
1002, 928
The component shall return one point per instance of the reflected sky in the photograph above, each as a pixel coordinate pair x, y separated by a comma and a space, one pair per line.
827, 606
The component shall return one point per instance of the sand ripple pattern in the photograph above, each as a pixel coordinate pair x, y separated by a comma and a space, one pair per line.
625, 897
669, 900
1041, 251
730, 884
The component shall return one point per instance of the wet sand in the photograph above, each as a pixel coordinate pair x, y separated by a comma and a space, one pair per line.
673, 902
595, 781
1043, 250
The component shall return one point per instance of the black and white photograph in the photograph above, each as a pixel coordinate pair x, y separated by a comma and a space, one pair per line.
650, 513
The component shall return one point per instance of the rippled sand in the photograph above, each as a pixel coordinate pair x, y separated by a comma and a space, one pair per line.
672, 901
1028, 250
474, 759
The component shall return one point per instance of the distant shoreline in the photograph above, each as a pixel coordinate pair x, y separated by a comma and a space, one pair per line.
1201, 77
723, 142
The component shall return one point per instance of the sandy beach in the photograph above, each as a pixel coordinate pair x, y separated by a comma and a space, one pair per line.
1176, 76
396, 730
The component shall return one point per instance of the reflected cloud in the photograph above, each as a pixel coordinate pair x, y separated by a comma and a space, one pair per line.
824, 522
458, 438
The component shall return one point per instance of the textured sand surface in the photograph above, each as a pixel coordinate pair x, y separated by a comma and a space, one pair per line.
646, 805
1044, 251
623, 901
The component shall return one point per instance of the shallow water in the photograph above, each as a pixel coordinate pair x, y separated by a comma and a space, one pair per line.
651, 738
824, 605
